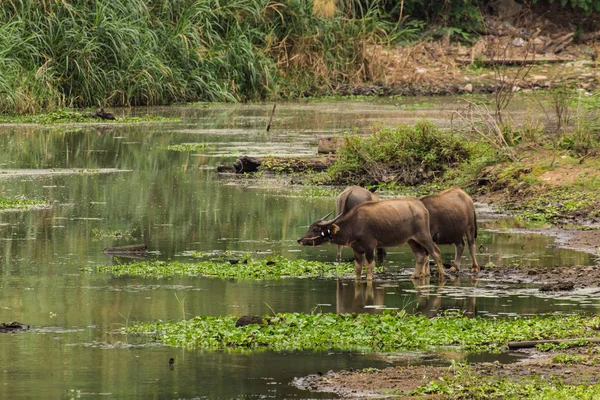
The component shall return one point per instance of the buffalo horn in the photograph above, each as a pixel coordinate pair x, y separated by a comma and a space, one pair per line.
323, 219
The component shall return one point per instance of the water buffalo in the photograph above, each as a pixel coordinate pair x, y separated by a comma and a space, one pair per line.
451, 217
351, 197
385, 223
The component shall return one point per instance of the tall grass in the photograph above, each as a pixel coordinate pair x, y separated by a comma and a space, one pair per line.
141, 52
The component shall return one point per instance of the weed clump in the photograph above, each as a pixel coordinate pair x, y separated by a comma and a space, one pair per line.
407, 155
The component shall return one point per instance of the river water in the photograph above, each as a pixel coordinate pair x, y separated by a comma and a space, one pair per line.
122, 178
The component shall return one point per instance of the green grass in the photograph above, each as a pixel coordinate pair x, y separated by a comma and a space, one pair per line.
246, 268
552, 204
18, 204
388, 332
406, 155
466, 384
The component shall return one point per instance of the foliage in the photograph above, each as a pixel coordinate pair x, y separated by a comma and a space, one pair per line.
561, 346
407, 155
109, 53
387, 332
246, 268
18, 204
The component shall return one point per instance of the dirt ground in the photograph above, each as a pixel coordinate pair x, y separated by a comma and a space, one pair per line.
400, 381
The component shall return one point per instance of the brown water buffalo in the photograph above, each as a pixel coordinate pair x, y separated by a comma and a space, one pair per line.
451, 217
374, 224
351, 197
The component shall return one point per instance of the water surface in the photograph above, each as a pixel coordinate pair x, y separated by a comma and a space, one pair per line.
122, 178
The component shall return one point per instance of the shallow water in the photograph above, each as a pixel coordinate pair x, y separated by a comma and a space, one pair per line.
113, 178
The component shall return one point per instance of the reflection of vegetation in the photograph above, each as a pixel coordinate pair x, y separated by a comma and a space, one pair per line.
391, 331
245, 268
104, 233
70, 116
18, 204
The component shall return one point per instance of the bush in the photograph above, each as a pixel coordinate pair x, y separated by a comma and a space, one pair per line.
407, 155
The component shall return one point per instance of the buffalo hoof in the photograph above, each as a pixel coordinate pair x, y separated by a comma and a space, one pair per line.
475, 270
453, 270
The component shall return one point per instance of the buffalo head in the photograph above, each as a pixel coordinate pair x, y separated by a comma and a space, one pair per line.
319, 232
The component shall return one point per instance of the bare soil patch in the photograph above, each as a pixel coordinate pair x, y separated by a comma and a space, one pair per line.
401, 381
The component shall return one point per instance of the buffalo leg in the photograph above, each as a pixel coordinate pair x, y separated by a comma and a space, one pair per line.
381, 253
420, 256
370, 256
459, 248
471, 242
432, 249
339, 253
359, 260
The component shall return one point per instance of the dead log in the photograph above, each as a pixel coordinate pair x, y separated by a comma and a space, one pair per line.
246, 164
558, 45
9, 327
100, 113
556, 287
527, 344
131, 249
514, 61
252, 319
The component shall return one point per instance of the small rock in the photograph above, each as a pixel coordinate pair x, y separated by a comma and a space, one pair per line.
468, 88
518, 42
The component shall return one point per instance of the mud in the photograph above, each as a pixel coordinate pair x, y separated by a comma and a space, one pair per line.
401, 381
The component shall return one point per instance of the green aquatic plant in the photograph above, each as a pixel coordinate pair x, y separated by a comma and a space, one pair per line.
19, 204
386, 332
66, 116
245, 268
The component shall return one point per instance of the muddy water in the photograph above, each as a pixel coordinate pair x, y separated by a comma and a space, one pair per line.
121, 178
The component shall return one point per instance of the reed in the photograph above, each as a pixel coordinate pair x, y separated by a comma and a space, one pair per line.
57, 54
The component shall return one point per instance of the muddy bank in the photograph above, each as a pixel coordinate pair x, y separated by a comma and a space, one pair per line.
401, 381
551, 278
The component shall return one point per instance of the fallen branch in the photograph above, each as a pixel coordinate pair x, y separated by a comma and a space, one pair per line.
527, 344
132, 249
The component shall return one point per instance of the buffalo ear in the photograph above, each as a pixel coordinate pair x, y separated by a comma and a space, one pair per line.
334, 229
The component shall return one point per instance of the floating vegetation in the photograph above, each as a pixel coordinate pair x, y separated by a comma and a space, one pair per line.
66, 116
387, 332
119, 234
189, 147
18, 204
245, 268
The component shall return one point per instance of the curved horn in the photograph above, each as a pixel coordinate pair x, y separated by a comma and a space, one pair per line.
322, 219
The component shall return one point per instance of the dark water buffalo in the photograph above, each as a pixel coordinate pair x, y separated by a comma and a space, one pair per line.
375, 224
451, 217
346, 201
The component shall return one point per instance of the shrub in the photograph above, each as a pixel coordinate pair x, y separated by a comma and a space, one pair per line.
407, 155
